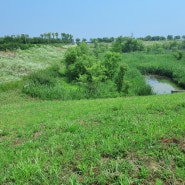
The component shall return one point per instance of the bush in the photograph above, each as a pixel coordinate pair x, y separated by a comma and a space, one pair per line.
127, 44
111, 62
136, 83
120, 76
41, 81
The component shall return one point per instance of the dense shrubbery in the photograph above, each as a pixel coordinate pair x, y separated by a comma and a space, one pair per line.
91, 71
86, 75
127, 44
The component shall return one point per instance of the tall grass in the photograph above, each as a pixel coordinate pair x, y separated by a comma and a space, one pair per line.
161, 64
15, 65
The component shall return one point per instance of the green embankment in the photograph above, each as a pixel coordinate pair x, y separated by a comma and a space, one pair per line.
138, 140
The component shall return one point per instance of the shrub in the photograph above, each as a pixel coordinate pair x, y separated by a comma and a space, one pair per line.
120, 76
111, 62
127, 44
41, 81
136, 84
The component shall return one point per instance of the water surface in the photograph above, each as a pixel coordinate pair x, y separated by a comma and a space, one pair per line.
161, 85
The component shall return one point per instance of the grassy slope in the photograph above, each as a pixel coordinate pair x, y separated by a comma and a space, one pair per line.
138, 140
14, 65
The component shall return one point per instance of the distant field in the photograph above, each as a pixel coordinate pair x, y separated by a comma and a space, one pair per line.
14, 65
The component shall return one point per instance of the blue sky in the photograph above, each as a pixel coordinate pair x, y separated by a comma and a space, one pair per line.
93, 18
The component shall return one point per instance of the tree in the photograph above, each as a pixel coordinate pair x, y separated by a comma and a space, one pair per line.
177, 37
117, 45
120, 76
70, 56
84, 40
111, 61
127, 44
53, 35
131, 44
56, 35
42, 36
170, 37
67, 38
24, 38
148, 38
77, 40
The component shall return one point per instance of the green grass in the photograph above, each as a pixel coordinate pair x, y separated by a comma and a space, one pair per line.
161, 64
131, 140
138, 140
15, 65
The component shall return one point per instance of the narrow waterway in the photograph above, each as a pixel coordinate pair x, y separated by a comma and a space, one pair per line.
161, 85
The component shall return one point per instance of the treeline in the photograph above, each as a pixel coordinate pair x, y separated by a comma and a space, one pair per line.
161, 38
23, 41
147, 38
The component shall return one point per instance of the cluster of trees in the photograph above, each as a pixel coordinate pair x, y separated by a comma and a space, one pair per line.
104, 39
161, 38
83, 67
127, 44
120, 44
23, 41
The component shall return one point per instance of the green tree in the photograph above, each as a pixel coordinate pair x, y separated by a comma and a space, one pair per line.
117, 45
56, 35
67, 38
131, 44
170, 37
53, 35
77, 40
120, 77
177, 37
111, 61
84, 40
42, 36
127, 44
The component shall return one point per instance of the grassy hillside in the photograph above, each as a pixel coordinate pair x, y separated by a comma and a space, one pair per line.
130, 140
14, 65
138, 140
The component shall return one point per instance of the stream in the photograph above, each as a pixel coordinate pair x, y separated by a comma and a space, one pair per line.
161, 84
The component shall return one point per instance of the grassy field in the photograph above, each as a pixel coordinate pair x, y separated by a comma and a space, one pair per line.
14, 65
120, 141
138, 140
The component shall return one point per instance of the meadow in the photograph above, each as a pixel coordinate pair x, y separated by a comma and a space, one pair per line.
109, 138
16, 64
138, 140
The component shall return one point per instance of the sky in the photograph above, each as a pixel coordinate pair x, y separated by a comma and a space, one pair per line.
93, 18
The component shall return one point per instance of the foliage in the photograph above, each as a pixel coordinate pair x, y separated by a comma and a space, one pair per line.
111, 61
178, 55
40, 81
120, 76
23, 41
127, 44
135, 83
160, 64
